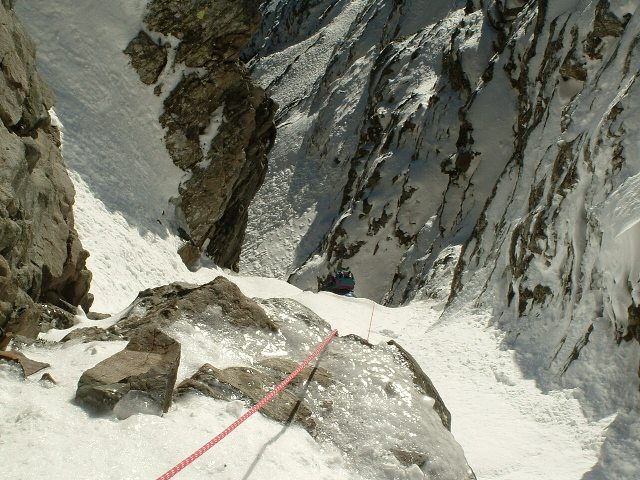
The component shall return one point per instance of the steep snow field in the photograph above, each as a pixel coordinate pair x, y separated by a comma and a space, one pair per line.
508, 427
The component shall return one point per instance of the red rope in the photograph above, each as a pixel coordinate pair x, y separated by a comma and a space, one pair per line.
373, 306
169, 474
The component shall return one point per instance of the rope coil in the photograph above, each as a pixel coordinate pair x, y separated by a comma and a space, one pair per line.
191, 458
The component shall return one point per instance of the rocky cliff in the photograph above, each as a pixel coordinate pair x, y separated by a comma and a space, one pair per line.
427, 146
472, 152
219, 124
41, 258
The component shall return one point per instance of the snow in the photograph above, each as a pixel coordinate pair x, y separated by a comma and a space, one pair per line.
510, 426
509, 429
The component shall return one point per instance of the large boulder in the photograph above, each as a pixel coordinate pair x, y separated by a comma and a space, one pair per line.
41, 258
217, 302
146, 368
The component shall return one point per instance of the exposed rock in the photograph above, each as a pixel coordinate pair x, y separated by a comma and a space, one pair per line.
605, 24
214, 303
408, 457
48, 379
41, 258
244, 383
217, 98
55, 317
148, 364
347, 385
90, 334
29, 367
147, 57
424, 383
97, 316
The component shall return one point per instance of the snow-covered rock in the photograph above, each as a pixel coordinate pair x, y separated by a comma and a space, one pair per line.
41, 257
372, 402
218, 124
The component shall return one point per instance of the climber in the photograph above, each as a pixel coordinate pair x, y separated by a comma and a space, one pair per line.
342, 283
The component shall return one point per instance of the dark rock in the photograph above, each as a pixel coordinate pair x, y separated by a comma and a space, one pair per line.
605, 24
190, 255
148, 364
424, 383
97, 316
55, 317
90, 334
250, 384
226, 174
147, 57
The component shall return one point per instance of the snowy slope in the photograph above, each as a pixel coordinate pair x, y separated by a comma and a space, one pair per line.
493, 144
508, 428
113, 145
512, 418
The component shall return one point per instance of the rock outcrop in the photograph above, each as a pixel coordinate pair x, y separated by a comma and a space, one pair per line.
251, 346
41, 258
146, 368
219, 124
217, 302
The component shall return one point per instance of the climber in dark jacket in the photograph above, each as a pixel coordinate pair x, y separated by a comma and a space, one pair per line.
342, 283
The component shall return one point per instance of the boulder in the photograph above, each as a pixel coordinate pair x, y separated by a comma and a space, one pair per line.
147, 57
215, 303
55, 317
148, 364
90, 334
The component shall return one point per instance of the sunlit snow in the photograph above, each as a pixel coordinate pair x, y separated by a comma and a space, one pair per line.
508, 427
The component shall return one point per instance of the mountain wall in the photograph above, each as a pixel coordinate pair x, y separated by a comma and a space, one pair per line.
41, 257
474, 152
218, 124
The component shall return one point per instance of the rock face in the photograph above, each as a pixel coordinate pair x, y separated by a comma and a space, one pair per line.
460, 140
41, 258
247, 347
479, 152
147, 367
219, 124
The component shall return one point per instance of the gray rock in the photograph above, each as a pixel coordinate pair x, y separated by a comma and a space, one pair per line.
147, 57
215, 303
41, 258
148, 364
244, 383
